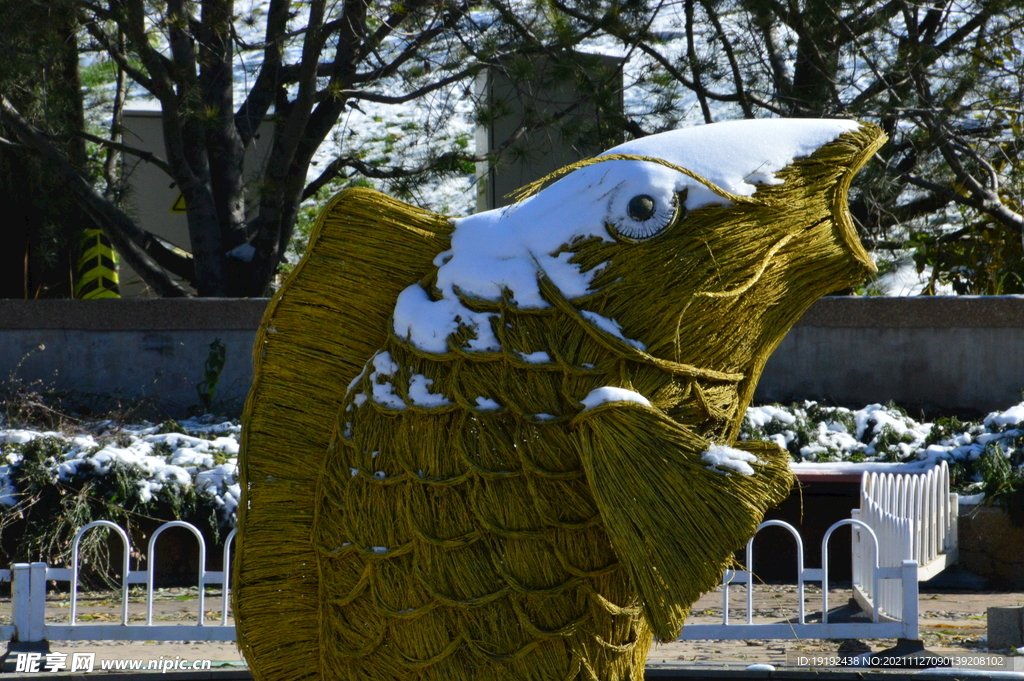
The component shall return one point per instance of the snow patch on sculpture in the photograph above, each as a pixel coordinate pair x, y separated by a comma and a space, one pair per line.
486, 404
427, 323
725, 459
419, 392
539, 357
606, 394
610, 326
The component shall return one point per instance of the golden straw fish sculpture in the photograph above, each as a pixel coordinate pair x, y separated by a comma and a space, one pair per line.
505, 446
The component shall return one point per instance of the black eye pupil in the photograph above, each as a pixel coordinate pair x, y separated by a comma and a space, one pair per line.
641, 208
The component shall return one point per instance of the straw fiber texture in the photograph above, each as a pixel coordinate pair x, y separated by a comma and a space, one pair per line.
507, 532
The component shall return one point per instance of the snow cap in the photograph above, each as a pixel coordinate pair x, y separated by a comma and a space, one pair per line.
505, 249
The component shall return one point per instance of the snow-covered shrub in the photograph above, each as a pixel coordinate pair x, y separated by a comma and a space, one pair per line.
813, 432
52, 483
985, 457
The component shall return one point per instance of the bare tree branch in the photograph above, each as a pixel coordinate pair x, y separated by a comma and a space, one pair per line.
695, 68
610, 25
116, 52
898, 75
161, 84
983, 201
367, 96
182, 42
120, 94
414, 47
252, 112
730, 54
146, 156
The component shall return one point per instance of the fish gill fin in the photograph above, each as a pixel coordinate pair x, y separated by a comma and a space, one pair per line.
331, 314
673, 520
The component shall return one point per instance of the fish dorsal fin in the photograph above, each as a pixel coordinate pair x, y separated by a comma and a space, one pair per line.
332, 313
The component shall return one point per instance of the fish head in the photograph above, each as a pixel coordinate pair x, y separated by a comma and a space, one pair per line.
701, 246
716, 244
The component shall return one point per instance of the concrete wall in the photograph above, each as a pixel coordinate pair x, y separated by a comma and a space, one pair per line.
962, 354
990, 546
956, 354
150, 350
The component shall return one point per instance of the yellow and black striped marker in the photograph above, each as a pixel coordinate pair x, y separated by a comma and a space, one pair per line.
97, 267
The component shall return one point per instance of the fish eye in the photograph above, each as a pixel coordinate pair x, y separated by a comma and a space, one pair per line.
642, 216
641, 208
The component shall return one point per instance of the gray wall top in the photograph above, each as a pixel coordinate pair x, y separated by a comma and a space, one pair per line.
135, 314
940, 354
933, 312
161, 314
233, 313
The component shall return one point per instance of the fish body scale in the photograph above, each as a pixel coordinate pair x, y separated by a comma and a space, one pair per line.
437, 526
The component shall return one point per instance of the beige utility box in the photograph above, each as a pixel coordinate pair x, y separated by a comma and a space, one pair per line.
154, 200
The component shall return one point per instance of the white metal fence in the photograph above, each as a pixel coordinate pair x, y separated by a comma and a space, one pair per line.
880, 626
28, 596
904, 521
914, 516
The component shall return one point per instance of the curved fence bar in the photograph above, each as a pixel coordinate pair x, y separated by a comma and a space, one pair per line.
151, 566
226, 580
824, 563
799, 568
124, 568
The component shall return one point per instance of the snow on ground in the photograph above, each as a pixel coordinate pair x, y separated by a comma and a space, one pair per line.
820, 438
900, 277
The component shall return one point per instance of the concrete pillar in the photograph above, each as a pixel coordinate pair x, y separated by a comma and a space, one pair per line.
1006, 627
566, 98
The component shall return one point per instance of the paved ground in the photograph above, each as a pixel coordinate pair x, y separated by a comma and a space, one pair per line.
951, 623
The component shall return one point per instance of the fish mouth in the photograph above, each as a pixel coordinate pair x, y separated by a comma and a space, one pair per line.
865, 142
868, 140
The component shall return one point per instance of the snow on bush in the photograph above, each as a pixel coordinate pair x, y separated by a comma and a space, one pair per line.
985, 457
150, 464
145, 466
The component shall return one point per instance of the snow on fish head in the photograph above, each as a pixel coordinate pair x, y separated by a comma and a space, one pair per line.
642, 232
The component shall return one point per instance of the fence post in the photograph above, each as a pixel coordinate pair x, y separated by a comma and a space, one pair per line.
37, 600
21, 600
910, 615
25, 619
